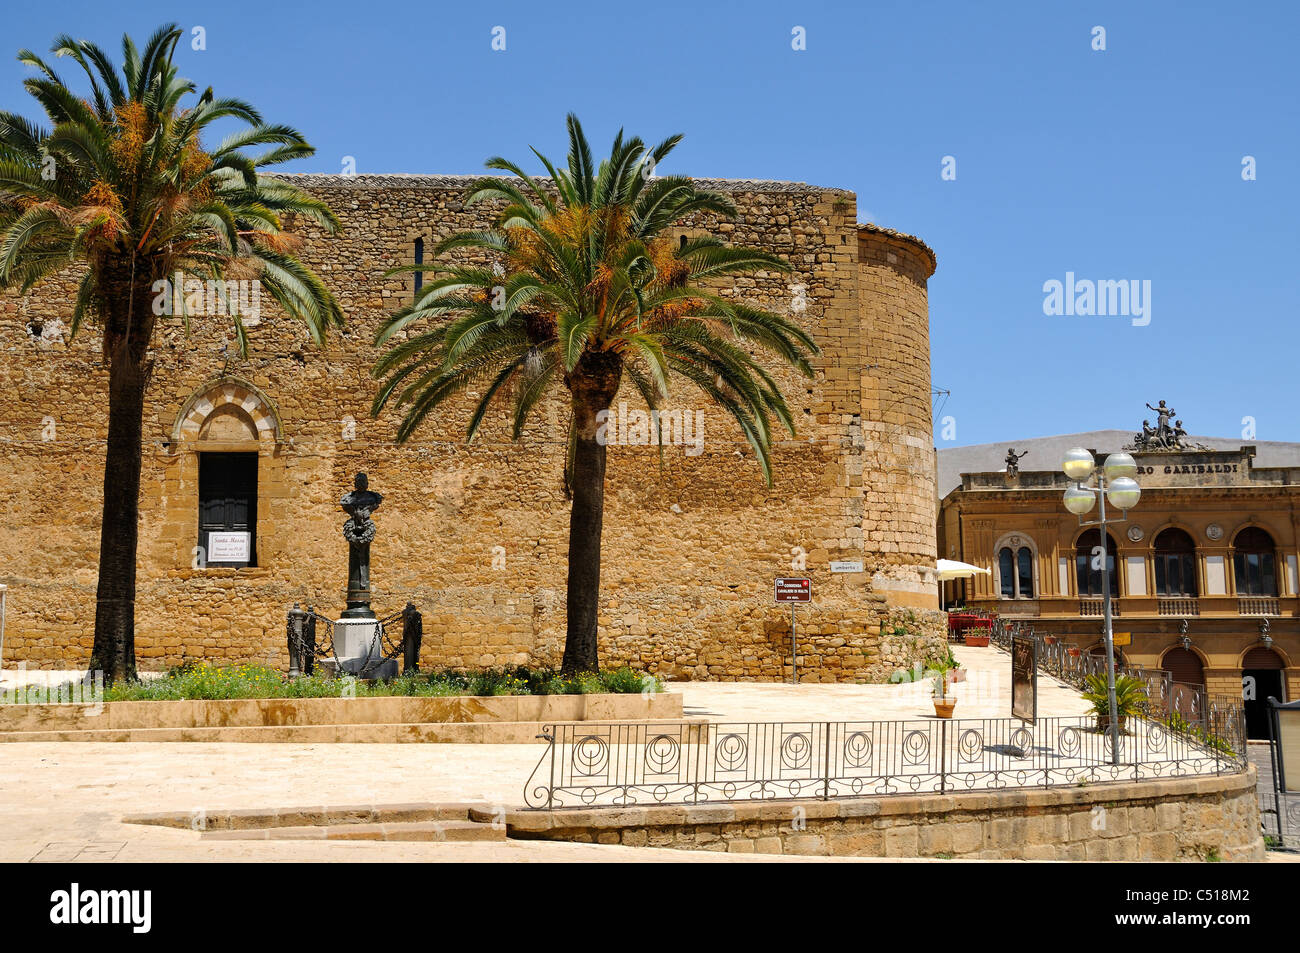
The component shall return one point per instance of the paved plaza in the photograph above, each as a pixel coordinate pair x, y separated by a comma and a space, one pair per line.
61, 802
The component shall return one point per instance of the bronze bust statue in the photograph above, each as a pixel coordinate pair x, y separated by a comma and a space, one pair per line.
359, 531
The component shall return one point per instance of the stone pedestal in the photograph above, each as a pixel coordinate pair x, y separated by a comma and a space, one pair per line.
358, 641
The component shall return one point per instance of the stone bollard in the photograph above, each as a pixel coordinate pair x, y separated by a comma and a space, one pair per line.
412, 635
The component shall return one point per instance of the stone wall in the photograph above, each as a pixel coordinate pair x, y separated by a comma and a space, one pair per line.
476, 536
1190, 819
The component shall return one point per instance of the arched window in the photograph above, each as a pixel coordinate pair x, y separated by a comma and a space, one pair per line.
1016, 571
1254, 563
1087, 569
419, 260
1175, 558
1006, 572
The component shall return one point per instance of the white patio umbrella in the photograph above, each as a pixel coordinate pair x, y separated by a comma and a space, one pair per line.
953, 569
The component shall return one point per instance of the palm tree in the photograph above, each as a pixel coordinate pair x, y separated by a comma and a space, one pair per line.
122, 187
585, 288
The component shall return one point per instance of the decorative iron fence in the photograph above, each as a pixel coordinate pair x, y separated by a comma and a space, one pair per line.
1279, 809
1164, 696
678, 763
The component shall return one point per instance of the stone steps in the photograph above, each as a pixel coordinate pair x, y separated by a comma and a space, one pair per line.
447, 831
449, 822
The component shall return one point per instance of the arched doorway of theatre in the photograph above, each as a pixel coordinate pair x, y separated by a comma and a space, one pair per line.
1261, 678
1186, 674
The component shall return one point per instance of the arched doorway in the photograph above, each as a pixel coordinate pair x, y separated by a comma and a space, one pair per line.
223, 447
1261, 678
1184, 666
1188, 677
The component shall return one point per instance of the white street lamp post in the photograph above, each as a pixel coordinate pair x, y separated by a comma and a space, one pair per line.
1114, 483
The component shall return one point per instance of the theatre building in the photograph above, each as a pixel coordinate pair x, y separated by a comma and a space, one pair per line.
1203, 573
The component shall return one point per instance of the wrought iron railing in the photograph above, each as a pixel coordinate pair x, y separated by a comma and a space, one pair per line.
1164, 696
692, 763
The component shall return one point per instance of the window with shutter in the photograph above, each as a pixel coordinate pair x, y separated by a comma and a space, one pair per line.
228, 507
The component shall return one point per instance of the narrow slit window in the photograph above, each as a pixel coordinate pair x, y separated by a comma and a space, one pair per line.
419, 260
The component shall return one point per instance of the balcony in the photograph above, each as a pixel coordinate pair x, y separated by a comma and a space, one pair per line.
1178, 607
1090, 608
1257, 605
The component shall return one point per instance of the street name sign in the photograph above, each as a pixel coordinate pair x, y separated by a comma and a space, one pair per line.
793, 589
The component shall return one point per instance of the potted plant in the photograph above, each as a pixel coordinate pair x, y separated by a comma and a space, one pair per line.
1130, 696
976, 637
1049, 639
1074, 651
945, 699
955, 672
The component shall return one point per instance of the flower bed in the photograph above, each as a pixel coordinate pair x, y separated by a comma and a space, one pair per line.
201, 681
253, 703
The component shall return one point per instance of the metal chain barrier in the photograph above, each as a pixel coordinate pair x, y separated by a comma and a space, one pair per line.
306, 644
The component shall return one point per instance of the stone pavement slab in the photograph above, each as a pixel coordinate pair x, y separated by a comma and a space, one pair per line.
65, 801
986, 693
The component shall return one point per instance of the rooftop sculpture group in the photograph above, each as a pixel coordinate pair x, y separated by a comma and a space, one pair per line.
1163, 437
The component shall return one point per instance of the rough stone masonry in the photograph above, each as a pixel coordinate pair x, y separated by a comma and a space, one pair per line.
476, 536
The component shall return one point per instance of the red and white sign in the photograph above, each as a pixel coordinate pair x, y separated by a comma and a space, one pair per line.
793, 589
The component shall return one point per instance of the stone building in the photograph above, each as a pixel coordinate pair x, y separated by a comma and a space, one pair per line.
1204, 570
476, 536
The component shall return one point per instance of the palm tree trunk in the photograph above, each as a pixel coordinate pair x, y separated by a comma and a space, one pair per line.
114, 647
129, 324
594, 382
586, 521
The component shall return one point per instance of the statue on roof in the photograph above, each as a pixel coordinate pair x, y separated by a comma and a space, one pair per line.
1013, 460
1163, 414
1163, 437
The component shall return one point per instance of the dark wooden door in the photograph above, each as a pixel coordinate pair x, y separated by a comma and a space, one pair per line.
1267, 682
228, 501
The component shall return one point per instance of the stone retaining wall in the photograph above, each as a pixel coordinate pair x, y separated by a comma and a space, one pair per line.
1200, 818
389, 710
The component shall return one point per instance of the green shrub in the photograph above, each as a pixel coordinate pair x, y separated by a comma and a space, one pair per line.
1130, 694
628, 681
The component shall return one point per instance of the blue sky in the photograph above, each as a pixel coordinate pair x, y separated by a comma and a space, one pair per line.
1116, 164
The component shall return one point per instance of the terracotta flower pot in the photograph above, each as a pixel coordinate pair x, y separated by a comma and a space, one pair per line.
1075, 653
978, 641
1050, 639
958, 675
943, 706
